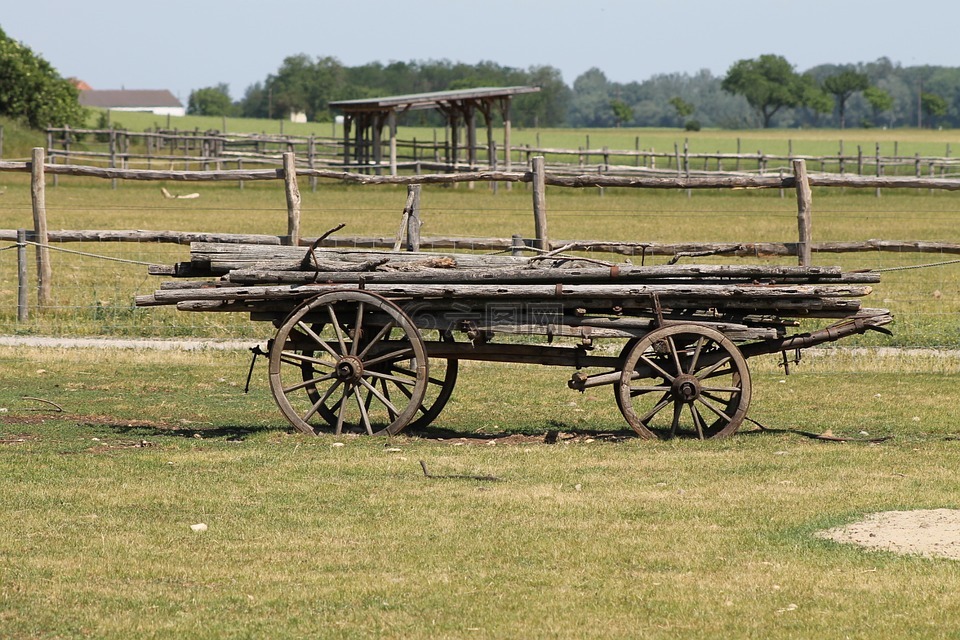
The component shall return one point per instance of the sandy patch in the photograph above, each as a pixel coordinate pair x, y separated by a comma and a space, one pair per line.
930, 532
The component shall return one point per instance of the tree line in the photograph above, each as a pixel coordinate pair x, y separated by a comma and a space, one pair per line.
766, 91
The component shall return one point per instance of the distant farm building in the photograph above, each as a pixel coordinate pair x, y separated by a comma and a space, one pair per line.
160, 102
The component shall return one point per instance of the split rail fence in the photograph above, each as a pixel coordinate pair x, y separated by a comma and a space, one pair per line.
537, 177
213, 150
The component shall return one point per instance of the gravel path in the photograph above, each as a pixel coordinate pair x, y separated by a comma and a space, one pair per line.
125, 343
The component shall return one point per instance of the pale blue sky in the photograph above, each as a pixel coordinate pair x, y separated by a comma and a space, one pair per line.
183, 45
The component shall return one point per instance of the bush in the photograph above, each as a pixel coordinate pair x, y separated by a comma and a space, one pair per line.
692, 125
31, 89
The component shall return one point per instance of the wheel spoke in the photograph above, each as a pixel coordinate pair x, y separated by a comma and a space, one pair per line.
309, 383
695, 359
363, 411
319, 403
714, 409
316, 337
394, 379
663, 402
675, 423
336, 327
674, 355
294, 358
379, 396
380, 334
392, 356
343, 409
357, 329
711, 371
710, 390
697, 420
653, 365
386, 394
638, 391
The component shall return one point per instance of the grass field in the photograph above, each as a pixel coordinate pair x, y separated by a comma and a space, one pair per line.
107, 457
814, 142
595, 536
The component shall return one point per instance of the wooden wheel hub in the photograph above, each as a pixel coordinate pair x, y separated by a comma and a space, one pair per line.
350, 369
686, 388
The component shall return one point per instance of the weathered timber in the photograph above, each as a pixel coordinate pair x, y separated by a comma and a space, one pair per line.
738, 310
530, 292
625, 274
226, 257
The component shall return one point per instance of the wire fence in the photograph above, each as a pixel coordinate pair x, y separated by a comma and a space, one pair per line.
95, 283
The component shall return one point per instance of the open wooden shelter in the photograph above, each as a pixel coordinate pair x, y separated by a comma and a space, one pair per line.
365, 119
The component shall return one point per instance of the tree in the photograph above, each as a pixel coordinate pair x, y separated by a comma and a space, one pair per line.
933, 106
546, 108
814, 98
622, 113
682, 107
31, 89
211, 101
842, 86
590, 106
768, 83
879, 100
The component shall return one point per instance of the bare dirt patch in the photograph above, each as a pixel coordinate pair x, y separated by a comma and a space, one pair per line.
928, 532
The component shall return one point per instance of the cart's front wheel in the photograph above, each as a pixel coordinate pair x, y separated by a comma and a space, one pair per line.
351, 361
684, 378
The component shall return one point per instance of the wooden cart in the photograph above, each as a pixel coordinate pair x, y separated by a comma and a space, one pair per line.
371, 341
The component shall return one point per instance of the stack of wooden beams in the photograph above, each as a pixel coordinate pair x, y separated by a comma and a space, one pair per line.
747, 301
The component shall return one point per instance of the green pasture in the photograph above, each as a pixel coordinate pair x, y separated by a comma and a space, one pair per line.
107, 458
813, 142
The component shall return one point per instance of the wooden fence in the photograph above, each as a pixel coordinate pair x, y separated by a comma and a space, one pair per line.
799, 180
213, 150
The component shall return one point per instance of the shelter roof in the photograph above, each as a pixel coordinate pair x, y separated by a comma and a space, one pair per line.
429, 100
128, 98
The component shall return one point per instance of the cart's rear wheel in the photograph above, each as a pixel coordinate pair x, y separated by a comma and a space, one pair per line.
350, 361
684, 378
440, 384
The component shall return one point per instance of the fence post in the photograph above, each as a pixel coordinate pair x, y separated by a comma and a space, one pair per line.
293, 198
38, 196
804, 208
113, 155
413, 220
540, 203
21, 275
516, 245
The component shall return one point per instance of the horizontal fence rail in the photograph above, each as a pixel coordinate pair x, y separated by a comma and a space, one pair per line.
214, 149
115, 307
578, 181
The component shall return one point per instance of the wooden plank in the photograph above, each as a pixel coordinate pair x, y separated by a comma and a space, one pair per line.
627, 274
753, 293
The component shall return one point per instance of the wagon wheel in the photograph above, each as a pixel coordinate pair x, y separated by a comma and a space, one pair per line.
332, 366
684, 377
440, 384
